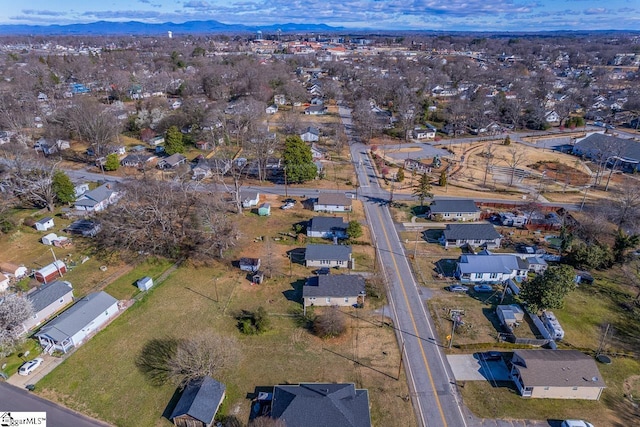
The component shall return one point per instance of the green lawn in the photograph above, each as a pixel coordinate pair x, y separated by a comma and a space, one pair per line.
125, 286
101, 379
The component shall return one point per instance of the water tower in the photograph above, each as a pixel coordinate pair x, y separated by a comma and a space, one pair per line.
170, 34
259, 36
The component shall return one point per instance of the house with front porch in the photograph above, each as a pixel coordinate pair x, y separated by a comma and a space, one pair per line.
72, 327
556, 374
475, 235
491, 268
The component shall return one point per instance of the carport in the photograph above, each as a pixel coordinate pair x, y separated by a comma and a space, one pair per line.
467, 367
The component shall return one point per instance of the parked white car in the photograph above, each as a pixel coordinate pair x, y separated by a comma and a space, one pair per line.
575, 423
30, 366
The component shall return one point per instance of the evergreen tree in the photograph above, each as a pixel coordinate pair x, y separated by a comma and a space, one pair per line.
173, 142
507, 140
63, 187
354, 229
298, 160
549, 289
422, 189
400, 175
112, 163
443, 179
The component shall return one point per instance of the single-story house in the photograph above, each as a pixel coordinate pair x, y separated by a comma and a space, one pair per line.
205, 168
279, 99
317, 101
321, 405
44, 224
137, 160
51, 271
624, 153
556, 374
80, 188
310, 134
328, 256
249, 264
316, 110
4, 282
537, 264
171, 162
510, 315
198, 403
491, 268
97, 199
317, 153
156, 140
13, 270
73, 326
454, 210
249, 198
424, 132
271, 109
327, 227
47, 300
334, 289
332, 202
458, 235
84, 228
551, 117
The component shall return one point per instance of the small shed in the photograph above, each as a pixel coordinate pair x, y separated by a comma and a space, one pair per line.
510, 315
251, 265
51, 272
257, 278
49, 239
264, 209
145, 283
44, 224
10, 269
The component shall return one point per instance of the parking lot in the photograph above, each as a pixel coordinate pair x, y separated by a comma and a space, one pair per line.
467, 367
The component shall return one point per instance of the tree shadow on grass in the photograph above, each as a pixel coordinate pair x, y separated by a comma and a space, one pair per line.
153, 359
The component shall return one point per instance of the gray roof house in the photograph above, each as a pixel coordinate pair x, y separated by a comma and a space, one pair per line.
327, 227
171, 162
328, 256
321, 405
454, 210
310, 134
47, 300
332, 202
199, 403
556, 374
334, 289
249, 198
623, 153
457, 235
491, 268
97, 199
72, 327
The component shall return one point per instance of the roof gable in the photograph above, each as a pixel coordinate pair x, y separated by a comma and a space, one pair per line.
47, 294
559, 368
200, 399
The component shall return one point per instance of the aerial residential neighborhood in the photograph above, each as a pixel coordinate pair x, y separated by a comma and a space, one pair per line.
277, 226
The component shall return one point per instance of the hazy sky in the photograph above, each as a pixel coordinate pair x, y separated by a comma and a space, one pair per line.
486, 15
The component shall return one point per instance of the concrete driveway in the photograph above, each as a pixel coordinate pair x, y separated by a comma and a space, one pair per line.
47, 366
466, 367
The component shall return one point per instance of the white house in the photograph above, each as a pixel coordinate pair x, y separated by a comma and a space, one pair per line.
44, 224
491, 268
97, 199
47, 300
249, 199
327, 227
551, 117
426, 132
310, 134
71, 328
271, 109
332, 202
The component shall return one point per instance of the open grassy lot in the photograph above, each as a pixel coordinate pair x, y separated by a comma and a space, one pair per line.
101, 378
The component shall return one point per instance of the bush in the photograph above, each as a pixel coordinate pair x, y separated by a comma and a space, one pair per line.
330, 324
253, 322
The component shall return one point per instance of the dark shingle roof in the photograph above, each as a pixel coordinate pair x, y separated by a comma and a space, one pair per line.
326, 223
48, 294
321, 405
558, 368
200, 400
609, 145
334, 285
470, 232
328, 252
453, 206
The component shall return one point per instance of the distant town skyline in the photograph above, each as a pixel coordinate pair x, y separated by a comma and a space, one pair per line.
450, 15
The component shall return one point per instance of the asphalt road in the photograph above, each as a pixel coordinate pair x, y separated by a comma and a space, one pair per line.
14, 399
431, 382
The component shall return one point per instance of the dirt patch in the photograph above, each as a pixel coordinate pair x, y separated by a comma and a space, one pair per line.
561, 172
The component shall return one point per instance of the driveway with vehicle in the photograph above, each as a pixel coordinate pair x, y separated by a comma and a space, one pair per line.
467, 367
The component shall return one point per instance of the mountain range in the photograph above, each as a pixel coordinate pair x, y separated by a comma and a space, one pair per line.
141, 28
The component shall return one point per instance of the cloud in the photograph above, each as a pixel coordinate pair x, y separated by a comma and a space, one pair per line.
198, 5
42, 12
595, 11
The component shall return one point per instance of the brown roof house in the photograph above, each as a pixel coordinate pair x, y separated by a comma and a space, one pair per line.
556, 374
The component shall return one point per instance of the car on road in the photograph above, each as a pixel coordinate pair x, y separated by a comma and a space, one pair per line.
489, 356
575, 423
30, 366
458, 288
483, 288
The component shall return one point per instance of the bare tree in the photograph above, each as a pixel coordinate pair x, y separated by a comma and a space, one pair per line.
33, 184
14, 310
624, 209
515, 157
201, 356
92, 123
331, 323
488, 158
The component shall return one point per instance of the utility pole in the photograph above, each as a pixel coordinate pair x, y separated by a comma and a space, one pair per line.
215, 285
584, 198
401, 359
286, 194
